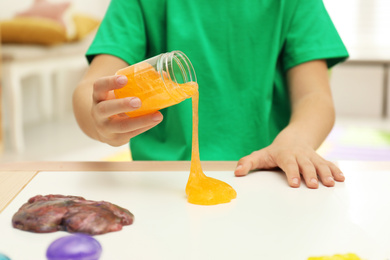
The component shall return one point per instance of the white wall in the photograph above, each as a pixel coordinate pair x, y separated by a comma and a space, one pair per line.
361, 22
358, 85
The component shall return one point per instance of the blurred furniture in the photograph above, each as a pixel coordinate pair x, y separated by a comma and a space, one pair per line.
361, 85
49, 64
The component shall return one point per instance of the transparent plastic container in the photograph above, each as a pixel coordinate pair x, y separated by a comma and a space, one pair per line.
161, 81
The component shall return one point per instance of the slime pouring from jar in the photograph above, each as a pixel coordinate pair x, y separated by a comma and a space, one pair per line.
200, 189
163, 81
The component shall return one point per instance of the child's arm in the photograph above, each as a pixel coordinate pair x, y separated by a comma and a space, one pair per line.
99, 114
293, 150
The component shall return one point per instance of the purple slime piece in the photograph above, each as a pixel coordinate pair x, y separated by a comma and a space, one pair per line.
74, 247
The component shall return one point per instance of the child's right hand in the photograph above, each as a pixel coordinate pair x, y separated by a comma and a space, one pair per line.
111, 123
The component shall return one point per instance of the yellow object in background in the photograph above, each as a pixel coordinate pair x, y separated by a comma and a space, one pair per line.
349, 256
32, 31
123, 156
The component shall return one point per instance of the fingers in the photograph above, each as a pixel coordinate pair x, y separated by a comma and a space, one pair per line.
128, 135
112, 125
244, 165
336, 172
263, 160
304, 166
103, 86
120, 130
292, 171
113, 107
249, 163
126, 125
308, 172
325, 173
313, 171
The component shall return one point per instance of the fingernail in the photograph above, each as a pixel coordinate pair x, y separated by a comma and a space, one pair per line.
135, 102
121, 80
330, 179
314, 181
295, 181
157, 116
238, 172
341, 174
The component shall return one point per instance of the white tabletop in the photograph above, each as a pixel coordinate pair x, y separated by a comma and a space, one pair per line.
268, 220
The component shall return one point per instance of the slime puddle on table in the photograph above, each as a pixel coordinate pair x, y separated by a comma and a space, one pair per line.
200, 189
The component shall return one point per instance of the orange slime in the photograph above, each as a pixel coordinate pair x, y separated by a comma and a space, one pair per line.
144, 82
151, 87
203, 190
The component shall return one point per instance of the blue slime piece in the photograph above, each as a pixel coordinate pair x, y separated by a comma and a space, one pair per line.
3, 257
74, 247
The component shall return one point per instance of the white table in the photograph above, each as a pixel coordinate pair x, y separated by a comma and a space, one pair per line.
268, 220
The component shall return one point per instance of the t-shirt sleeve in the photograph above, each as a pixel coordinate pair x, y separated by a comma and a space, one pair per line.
121, 33
311, 36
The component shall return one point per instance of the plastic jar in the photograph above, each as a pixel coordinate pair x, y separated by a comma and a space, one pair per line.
159, 82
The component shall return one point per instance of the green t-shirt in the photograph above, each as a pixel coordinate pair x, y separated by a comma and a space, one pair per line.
240, 49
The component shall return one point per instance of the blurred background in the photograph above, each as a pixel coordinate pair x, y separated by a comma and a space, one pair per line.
41, 64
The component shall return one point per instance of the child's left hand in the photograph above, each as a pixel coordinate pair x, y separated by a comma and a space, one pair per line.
296, 159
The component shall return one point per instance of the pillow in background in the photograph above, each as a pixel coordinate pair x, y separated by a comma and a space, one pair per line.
60, 13
46, 23
84, 25
32, 31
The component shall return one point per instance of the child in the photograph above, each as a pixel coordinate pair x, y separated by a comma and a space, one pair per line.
262, 69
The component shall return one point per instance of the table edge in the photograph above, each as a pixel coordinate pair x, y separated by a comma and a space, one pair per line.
115, 166
159, 165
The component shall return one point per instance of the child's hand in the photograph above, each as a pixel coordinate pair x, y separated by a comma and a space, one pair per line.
295, 159
113, 126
